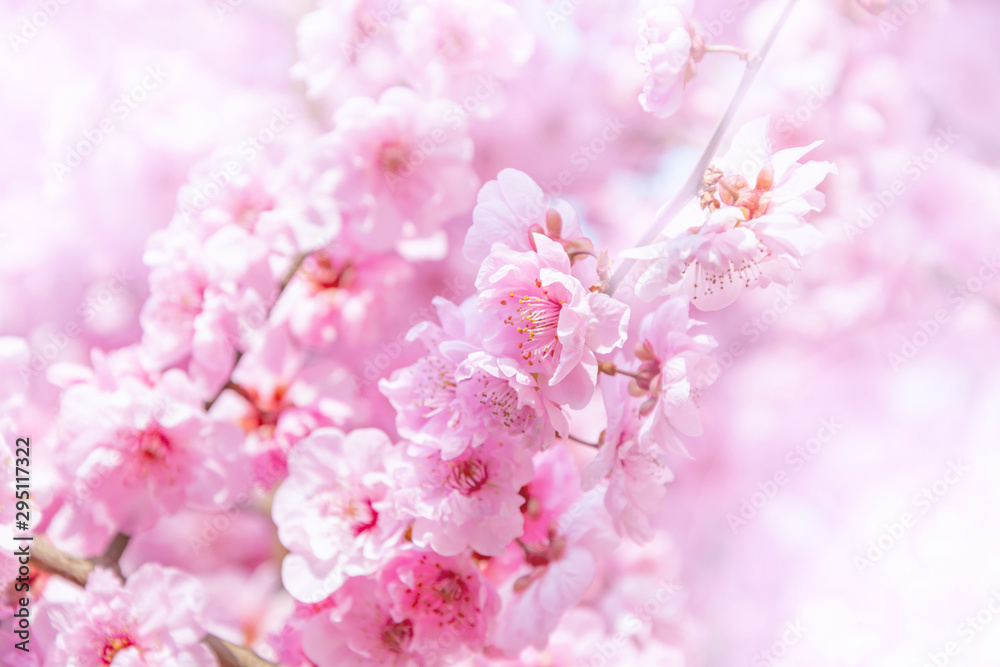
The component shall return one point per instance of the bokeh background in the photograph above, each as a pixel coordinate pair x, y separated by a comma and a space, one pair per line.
842, 506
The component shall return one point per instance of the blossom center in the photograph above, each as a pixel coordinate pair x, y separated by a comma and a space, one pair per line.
325, 273
450, 588
467, 476
393, 157
501, 400
362, 516
111, 647
396, 636
535, 317
150, 445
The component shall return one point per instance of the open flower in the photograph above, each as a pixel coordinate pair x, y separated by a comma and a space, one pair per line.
546, 317
397, 167
421, 609
153, 620
334, 513
471, 500
747, 228
665, 52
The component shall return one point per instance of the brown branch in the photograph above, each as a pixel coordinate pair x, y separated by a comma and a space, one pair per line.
45, 556
293, 269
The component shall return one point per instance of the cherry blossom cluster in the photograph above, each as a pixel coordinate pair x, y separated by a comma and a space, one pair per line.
409, 401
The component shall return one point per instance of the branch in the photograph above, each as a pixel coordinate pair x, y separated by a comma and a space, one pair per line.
45, 556
296, 265
689, 190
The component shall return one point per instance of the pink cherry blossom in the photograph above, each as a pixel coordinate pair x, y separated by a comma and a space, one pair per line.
154, 619
458, 395
674, 367
557, 574
737, 236
454, 48
422, 609
281, 399
548, 318
636, 470
335, 510
511, 209
469, 501
664, 50
138, 453
398, 167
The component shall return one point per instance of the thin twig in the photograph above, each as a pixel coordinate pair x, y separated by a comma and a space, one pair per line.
582, 442
296, 265
689, 190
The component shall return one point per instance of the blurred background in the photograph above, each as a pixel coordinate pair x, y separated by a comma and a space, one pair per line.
842, 506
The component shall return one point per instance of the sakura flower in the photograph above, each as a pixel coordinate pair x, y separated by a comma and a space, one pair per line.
422, 609
343, 295
545, 316
457, 395
154, 620
511, 209
736, 236
667, 52
636, 470
347, 48
398, 167
471, 500
454, 48
674, 364
446, 598
557, 574
360, 630
334, 512
203, 286
138, 453
279, 398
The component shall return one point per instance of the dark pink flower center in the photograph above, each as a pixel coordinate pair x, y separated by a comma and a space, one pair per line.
396, 636
467, 476
363, 515
112, 645
393, 157
150, 445
326, 273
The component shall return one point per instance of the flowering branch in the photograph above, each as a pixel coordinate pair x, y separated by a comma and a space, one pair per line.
293, 269
690, 188
48, 558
